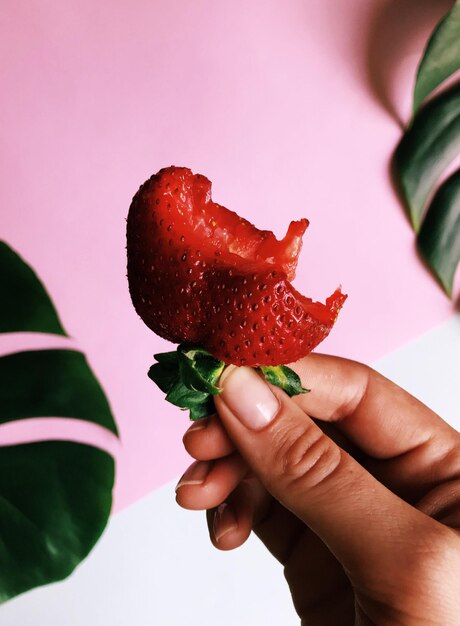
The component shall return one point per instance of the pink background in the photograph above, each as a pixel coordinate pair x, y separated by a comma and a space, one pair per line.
290, 108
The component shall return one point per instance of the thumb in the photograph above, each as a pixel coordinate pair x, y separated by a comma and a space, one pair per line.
363, 523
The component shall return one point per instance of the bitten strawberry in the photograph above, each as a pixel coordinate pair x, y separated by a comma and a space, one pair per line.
199, 274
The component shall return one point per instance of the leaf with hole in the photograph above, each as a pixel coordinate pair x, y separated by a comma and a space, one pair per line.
55, 496
441, 58
439, 237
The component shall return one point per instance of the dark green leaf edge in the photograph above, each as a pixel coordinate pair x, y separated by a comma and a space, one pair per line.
199, 370
55, 496
55, 501
429, 145
439, 238
189, 378
441, 58
43, 383
26, 305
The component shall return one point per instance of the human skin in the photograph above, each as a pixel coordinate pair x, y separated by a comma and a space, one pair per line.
361, 504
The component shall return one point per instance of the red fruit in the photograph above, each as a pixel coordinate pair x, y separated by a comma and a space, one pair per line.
199, 273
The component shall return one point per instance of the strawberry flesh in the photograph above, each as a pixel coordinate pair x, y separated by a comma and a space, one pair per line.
200, 274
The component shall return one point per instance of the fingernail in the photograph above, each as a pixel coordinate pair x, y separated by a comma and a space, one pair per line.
199, 425
195, 475
248, 396
196, 426
224, 521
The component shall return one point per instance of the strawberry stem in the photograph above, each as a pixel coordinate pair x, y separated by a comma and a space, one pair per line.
189, 376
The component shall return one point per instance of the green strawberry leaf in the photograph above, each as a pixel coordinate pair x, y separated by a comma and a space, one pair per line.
166, 372
169, 359
428, 147
205, 409
285, 378
190, 375
182, 396
439, 237
199, 370
441, 58
55, 499
56, 383
26, 306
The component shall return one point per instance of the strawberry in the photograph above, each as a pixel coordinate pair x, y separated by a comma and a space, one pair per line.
201, 275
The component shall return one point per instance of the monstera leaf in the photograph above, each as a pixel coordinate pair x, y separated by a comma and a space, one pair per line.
439, 237
55, 496
430, 144
426, 150
441, 58
25, 304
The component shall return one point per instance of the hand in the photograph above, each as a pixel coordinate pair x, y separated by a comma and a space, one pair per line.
360, 504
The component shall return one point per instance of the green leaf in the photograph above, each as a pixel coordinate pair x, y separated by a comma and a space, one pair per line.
441, 58
168, 359
199, 370
188, 377
57, 383
285, 378
427, 148
192, 385
166, 372
25, 304
55, 499
182, 396
439, 237
205, 409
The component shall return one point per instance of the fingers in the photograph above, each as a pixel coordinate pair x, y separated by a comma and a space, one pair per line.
208, 483
319, 586
230, 501
206, 440
249, 507
249, 503
231, 523
412, 449
443, 503
255, 509
361, 521
378, 416
320, 589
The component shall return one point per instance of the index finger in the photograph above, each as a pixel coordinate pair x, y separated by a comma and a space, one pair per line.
379, 417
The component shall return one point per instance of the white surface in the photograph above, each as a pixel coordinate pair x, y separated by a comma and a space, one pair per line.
156, 567
429, 368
